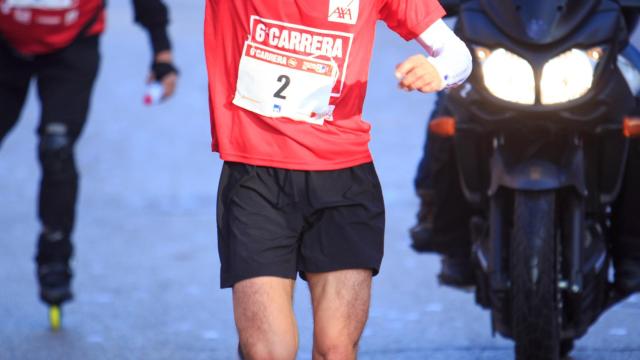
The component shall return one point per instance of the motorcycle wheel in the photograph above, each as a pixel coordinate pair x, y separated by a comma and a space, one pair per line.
533, 269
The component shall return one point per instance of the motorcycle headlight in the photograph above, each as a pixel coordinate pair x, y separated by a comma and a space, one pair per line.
507, 76
568, 76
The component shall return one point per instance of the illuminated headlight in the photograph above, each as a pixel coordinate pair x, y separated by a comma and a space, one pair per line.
507, 76
568, 76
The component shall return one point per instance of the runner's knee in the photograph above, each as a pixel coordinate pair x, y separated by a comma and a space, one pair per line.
263, 309
56, 152
334, 348
341, 305
259, 341
338, 338
271, 351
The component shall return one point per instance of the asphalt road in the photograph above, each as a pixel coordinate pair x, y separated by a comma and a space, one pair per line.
146, 256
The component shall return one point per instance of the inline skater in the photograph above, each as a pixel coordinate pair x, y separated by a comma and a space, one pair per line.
298, 191
55, 42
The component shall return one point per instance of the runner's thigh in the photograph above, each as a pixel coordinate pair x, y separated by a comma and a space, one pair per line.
263, 310
340, 305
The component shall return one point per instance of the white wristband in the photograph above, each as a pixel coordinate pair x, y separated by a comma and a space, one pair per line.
448, 54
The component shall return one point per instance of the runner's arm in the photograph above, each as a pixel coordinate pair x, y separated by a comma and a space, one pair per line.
449, 62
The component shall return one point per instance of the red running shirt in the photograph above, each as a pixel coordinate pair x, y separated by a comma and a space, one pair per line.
287, 78
35, 27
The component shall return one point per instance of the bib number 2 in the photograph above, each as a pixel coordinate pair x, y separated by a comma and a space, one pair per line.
285, 80
276, 83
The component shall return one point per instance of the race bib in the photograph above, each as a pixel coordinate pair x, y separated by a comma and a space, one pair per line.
39, 4
279, 84
292, 71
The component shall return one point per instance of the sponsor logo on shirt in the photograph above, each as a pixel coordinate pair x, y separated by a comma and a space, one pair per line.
39, 4
22, 16
280, 42
344, 11
282, 58
309, 42
71, 17
27, 12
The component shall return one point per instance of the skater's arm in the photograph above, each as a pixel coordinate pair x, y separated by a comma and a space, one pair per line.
449, 62
153, 15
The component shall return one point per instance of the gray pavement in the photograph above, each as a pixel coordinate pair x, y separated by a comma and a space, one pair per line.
146, 255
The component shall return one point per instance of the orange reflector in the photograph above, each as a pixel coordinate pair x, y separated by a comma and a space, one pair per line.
444, 126
631, 127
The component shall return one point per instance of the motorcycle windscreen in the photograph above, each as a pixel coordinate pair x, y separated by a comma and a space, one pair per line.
538, 21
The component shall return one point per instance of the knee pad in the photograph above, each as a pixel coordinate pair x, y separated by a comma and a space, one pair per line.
53, 246
56, 152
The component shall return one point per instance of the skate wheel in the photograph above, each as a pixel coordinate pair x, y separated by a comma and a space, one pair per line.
55, 317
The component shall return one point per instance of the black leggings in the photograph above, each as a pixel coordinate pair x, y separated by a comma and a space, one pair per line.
64, 81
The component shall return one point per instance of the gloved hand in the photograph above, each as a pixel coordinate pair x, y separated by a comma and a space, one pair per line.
164, 72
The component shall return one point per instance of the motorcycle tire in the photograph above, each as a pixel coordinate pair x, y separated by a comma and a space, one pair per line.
533, 269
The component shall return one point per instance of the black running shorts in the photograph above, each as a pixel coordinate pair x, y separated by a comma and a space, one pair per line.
278, 222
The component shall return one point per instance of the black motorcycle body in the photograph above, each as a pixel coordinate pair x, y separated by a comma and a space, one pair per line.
542, 177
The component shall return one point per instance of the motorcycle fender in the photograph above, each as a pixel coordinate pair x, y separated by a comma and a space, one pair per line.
537, 174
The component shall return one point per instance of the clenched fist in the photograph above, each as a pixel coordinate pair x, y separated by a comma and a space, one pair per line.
417, 73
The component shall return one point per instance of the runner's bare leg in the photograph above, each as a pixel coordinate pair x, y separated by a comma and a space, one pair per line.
340, 309
263, 310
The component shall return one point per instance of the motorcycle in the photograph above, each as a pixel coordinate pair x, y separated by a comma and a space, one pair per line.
541, 141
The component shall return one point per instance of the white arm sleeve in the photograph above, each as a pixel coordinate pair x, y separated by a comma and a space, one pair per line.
448, 54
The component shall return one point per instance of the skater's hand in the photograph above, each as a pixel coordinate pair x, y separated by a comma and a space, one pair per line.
417, 73
164, 72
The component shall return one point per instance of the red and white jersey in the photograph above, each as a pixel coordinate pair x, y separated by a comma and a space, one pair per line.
287, 79
35, 27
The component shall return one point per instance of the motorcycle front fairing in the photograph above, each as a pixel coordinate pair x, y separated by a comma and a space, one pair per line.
604, 29
596, 118
575, 147
538, 22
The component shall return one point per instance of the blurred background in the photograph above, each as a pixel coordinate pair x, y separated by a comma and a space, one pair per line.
146, 261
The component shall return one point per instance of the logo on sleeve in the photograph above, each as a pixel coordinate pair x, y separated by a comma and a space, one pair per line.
40, 4
344, 11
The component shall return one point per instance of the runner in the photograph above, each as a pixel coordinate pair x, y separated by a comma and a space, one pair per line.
56, 43
298, 191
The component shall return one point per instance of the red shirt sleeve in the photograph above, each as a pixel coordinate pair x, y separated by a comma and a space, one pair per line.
410, 18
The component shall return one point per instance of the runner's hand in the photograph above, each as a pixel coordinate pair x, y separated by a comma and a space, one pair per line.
417, 73
163, 71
